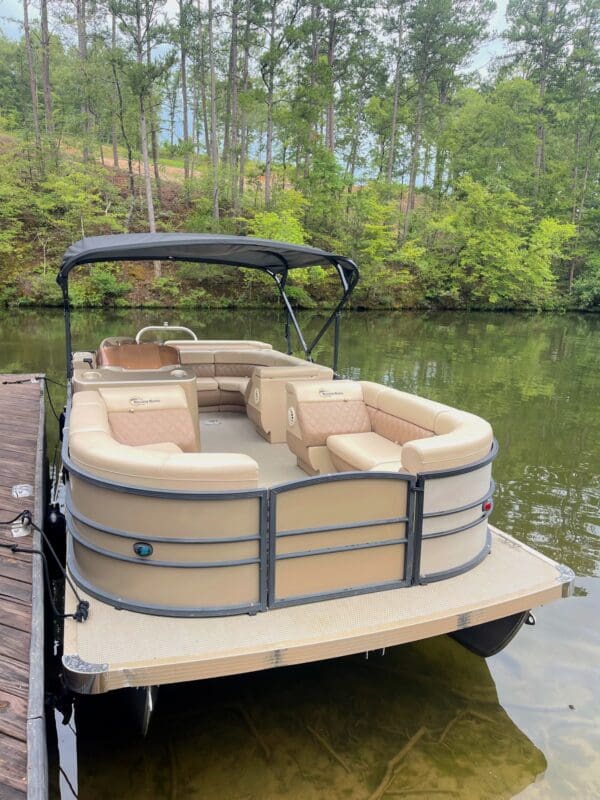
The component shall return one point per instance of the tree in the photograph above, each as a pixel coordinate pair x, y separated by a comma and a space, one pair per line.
540, 32
138, 20
32, 79
45, 46
442, 33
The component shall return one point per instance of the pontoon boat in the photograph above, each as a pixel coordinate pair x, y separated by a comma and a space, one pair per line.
230, 507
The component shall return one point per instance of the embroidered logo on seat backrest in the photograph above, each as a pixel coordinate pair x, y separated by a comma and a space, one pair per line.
140, 402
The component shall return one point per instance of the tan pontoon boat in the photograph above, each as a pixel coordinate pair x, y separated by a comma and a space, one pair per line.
231, 508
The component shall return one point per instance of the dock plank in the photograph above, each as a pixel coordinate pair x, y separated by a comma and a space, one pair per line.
13, 768
15, 568
18, 616
14, 643
14, 676
21, 682
11, 590
13, 715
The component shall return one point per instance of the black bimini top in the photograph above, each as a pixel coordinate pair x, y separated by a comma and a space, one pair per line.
238, 251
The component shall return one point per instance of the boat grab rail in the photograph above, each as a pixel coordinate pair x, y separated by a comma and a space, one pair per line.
164, 327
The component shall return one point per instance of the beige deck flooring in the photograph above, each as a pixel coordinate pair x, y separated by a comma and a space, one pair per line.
137, 648
228, 432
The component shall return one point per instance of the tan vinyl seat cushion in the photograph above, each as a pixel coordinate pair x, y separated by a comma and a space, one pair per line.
232, 384
363, 451
206, 385
161, 447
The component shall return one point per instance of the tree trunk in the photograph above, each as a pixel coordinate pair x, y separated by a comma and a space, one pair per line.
576, 176
540, 151
214, 145
394, 125
234, 123
144, 141
202, 81
32, 80
121, 117
80, 9
330, 112
154, 132
183, 28
114, 136
315, 18
270, 97
46, 68
425, 172
414, 160
440, 152
146, 165
243, 120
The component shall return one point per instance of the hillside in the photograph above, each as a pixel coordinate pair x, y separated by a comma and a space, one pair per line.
370, 129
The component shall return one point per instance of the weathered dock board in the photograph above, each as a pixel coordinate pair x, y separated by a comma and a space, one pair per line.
23, 758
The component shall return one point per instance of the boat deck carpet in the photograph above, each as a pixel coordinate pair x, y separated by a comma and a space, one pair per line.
228, 432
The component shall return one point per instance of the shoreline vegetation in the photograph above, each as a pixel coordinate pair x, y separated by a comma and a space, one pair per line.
356, 127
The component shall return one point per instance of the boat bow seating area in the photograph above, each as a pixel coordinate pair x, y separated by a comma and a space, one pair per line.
396, 489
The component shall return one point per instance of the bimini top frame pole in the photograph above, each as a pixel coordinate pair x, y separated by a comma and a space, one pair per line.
274, 258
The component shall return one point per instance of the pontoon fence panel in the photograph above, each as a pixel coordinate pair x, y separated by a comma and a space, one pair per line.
167, 552
452, 511
339, 534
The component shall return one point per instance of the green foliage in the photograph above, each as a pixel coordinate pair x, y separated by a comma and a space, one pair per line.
586, 288
482, 251
279, 225
103, 286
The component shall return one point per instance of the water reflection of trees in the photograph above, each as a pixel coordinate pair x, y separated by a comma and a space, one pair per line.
325, 730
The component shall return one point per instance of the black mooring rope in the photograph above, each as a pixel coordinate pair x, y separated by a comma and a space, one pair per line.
82, 612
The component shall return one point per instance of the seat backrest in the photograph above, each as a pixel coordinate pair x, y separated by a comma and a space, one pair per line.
318, 409
145, 355
149, 415
399, 416
186, 345
242, 362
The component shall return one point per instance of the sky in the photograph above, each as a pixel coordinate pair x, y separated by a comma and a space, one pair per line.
11, 14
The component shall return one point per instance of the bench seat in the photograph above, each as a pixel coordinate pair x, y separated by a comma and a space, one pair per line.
123, 434
362, 451
233, 384
340, 426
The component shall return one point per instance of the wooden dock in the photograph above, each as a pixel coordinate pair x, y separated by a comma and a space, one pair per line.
23, 754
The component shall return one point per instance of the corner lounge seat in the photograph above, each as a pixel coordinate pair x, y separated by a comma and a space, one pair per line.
146, 436
339, 426
125, 354
230, 376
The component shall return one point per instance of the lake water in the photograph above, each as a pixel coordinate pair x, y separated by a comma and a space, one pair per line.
524, 723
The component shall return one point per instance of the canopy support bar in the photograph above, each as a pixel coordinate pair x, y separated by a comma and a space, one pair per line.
348, 286
64, 285
290, 316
